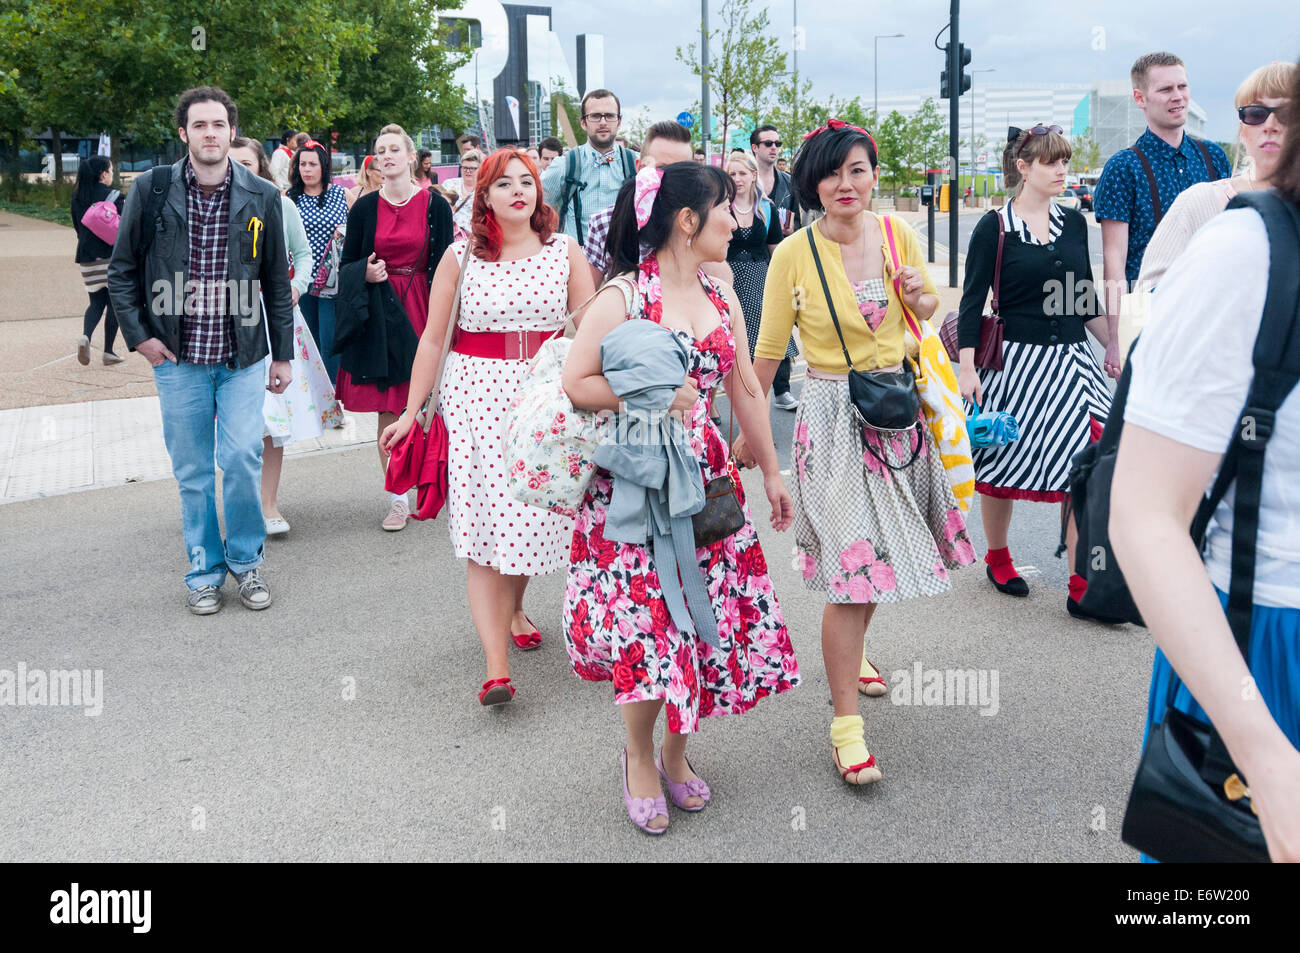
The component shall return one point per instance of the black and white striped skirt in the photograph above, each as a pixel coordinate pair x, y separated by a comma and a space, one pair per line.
1060, 399
94, 275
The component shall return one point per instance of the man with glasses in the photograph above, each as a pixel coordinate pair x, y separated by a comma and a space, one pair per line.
1139, 183
775, 184
589, 178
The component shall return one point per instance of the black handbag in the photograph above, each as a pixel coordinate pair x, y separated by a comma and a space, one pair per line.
886, 401
1188, 799
722, 515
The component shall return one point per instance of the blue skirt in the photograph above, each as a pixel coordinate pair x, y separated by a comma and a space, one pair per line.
1274, 664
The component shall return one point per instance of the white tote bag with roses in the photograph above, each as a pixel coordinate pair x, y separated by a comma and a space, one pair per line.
550, 445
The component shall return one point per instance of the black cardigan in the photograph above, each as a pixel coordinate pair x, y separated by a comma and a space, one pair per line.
90, 247
1047, 291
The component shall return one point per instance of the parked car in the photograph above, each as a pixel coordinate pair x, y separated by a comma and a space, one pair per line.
1068, 199
1084, 194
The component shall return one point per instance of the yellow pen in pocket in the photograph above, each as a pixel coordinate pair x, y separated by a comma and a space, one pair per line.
255, 226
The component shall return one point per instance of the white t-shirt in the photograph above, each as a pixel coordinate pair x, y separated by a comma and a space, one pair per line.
1192, 368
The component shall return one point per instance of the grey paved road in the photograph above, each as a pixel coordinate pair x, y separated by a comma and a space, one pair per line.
230, 737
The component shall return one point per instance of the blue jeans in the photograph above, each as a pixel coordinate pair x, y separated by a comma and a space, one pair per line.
190, 396
319, 315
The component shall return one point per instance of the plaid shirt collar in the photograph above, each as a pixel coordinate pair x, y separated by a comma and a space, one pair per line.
192, 180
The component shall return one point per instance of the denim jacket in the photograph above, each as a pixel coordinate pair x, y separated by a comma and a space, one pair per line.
658, 483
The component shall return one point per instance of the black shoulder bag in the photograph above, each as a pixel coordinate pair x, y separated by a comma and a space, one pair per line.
1189, 803
886, 401
151, 222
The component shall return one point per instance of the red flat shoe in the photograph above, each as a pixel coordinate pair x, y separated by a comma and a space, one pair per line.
874, 687
496, 691
867, 771
527, 640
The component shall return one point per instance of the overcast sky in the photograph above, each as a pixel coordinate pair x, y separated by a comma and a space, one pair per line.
1026, 41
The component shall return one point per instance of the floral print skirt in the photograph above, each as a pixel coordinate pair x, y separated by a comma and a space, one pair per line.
865, 532
618, 628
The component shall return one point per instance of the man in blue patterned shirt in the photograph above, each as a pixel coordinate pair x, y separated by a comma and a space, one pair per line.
588, 178
1139, 184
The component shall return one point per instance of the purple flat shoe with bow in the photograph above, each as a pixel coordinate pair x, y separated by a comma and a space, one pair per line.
643, 810
695, 787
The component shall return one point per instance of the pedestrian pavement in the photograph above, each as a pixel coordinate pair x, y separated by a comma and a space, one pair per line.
341, 724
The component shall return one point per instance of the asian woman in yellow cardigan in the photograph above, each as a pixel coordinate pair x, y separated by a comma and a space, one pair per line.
870, 526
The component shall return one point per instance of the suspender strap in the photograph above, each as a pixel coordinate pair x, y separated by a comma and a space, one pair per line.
1209, 163
1156, 208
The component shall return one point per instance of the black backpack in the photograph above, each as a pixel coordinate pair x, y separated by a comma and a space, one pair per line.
1276, 360
571, 196
160, 180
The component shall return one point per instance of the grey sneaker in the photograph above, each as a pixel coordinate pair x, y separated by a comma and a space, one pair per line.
205, 600
253, 592
785, 401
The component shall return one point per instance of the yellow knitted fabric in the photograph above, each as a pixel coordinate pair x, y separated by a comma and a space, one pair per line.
848, 739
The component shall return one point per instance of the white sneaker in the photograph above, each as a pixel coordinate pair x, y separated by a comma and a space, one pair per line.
785, 401
277, 526
397, 516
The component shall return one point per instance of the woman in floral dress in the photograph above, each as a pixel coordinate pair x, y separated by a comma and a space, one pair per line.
618, 626
875, 516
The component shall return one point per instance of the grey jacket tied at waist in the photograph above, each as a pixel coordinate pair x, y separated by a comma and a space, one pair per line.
658, 485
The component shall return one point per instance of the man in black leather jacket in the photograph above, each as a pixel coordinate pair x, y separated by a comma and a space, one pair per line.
204, 304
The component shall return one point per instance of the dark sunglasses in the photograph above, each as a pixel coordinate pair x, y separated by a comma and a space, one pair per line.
1257, 115
1039, 130
770, 142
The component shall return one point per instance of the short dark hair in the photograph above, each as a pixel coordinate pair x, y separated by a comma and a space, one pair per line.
550, 142
1287, 177
757, 134
287, 137
698, 152
684, 185
1138, 74
598, 94
467, 137
204, 94
821, 155
668, 129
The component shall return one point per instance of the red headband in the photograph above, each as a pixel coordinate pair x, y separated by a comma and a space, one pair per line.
841, 124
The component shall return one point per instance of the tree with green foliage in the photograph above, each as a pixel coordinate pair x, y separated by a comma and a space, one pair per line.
1086, 154
743, 57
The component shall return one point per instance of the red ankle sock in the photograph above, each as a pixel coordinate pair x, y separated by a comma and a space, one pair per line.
999, 560
1078, 586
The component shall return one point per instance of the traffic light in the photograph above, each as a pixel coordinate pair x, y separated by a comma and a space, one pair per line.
963, 58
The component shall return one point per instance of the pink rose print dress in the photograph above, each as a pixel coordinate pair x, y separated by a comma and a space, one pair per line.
487, 524
617, 625
865, 532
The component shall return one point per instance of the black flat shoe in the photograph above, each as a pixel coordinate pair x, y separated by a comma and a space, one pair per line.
1015, 586
1079, 612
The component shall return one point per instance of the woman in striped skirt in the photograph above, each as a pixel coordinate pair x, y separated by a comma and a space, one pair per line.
94, 178
1050, 380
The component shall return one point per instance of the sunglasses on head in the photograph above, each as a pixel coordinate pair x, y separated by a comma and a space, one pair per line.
1257, 115
1039, 130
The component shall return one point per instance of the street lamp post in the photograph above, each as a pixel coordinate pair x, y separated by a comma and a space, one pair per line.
988, 69
875, 71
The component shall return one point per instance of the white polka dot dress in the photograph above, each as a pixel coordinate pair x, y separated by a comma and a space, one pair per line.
487, 524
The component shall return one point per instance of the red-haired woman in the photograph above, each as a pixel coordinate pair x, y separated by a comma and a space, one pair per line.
521, 281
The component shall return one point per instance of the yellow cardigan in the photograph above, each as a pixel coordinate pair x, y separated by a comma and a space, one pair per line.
793, 295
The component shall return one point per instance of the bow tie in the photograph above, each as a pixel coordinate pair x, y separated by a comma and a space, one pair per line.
604, 160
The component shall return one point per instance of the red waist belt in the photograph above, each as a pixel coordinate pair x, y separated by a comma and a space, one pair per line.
500, 345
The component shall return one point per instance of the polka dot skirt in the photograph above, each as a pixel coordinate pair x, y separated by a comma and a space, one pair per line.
487, 524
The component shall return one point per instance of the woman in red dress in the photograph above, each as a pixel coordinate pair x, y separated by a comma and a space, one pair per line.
397, 231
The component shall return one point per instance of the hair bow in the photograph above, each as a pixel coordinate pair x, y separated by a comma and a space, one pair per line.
648, 181
1013, 133
836, 124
